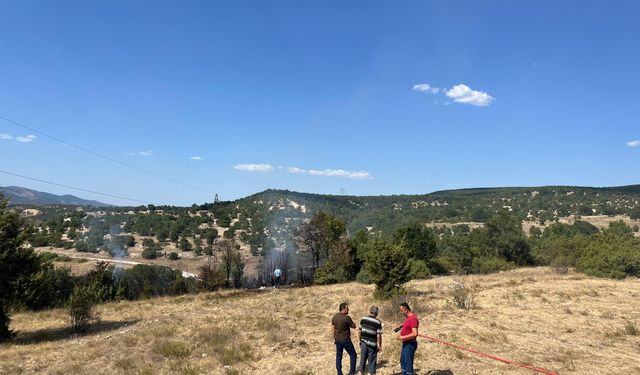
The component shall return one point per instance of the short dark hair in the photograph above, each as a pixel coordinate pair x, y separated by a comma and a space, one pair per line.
342, 306
405, 305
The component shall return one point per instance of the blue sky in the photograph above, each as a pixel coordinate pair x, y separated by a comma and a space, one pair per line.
372, 97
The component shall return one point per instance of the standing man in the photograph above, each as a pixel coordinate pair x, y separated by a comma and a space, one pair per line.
276, 275
342, 325
408, 336
370, 341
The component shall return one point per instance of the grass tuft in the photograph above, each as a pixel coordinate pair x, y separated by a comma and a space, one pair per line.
173, 349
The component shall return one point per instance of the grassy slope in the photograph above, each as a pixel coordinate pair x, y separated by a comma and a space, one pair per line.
569, 323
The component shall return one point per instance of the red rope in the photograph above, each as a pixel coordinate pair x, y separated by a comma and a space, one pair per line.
542, 371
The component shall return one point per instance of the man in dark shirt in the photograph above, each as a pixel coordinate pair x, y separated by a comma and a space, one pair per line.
370, 341
342, 325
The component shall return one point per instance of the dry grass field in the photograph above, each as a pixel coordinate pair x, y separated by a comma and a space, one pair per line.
569, 323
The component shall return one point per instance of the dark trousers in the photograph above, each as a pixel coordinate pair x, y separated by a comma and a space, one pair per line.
348, 346
368, 358
406, 356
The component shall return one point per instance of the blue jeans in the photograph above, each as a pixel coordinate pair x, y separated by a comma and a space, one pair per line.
348, 346
406, 356
368, 358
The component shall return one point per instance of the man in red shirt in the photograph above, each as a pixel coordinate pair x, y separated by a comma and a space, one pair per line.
408, 336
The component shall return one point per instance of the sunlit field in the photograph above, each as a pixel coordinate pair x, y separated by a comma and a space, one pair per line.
568, 323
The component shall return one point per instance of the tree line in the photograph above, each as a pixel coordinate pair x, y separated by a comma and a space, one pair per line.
415, 251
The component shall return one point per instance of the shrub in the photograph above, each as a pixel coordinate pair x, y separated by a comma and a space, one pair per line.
81, 309
560, 249
211, 277
364, 277
330, 273
613, 253
185, 245
464, 298
636, 228
173, 255
440, 265
208, 250
488, 264
561, 264
388, 266
418, 269
144, 281
149, 253
173, 349
51, 287
630, 328
229, 233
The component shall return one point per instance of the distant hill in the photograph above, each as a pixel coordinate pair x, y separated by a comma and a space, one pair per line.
19, 195
543, 203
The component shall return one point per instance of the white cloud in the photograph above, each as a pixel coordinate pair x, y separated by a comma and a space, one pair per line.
633, 144
196, 158
5, 136
253, 167
296, 170
464, 94
425, 87
355, 175
28, 138
146, 153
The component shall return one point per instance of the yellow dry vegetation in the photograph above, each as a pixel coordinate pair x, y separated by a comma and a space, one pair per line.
569, 323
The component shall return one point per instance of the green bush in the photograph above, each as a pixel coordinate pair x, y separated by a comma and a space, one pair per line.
173, 255
51, 287
418, 269
613, 253
388, 266
364, 277
81, 309
488, 264
185, 245
211, 276
441, 264
330, 273
149, 253
229, 233
565, 248
146, 281
208, 250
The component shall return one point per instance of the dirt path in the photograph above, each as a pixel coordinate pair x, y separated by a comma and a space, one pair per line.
108, 260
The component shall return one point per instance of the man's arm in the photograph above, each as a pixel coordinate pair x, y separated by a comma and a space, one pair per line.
412, 335
353, 324
379, 342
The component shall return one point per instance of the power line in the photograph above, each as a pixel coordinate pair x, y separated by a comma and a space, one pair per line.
104, 156
75, 188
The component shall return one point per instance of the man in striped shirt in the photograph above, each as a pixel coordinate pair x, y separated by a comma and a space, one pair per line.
370, 341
